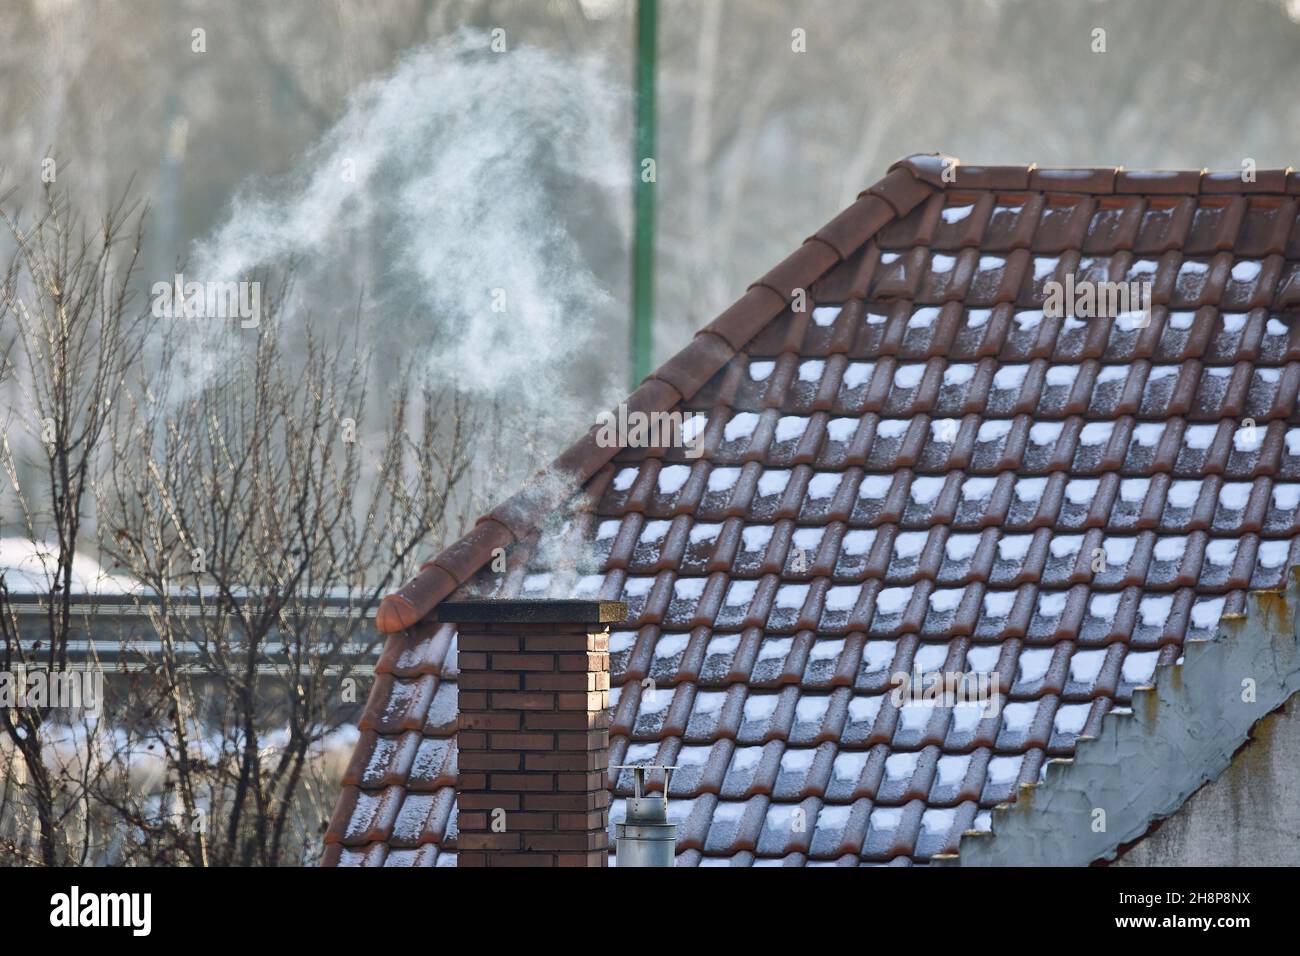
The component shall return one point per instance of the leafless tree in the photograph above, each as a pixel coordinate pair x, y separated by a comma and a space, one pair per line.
256, 522
65, 294
264, 528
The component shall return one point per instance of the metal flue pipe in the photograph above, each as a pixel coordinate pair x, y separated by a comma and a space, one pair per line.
645, 837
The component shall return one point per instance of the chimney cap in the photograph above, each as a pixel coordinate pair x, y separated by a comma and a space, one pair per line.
523, 611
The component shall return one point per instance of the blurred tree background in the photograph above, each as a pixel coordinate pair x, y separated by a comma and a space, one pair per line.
772, 117
758, 145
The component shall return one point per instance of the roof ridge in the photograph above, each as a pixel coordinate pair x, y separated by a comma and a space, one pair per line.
942, 171
907, 183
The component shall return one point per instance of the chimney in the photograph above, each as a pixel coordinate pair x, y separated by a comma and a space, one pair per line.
533, 731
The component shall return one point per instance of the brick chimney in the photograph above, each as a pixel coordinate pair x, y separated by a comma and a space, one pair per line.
533, 731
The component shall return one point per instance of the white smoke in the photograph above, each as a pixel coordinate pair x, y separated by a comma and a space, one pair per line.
459, 182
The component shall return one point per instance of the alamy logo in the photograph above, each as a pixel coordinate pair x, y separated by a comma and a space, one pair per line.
1097, 300
59, 690
629, 429
180, 299
103, 909
947, 689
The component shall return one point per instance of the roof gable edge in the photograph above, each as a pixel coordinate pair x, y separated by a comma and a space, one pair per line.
900, 191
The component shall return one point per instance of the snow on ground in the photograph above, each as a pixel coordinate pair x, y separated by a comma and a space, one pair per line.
29, 568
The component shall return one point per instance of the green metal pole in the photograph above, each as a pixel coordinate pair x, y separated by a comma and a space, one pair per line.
643, 239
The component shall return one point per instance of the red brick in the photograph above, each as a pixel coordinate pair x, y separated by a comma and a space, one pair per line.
488, 841
468, 661
471, 859
508, 700
530, 822
582, 682
561, 761
595, 700
565, 642
523, 741
591, 820
489, 680
523, 662
531, 860
567, 720
572, 802
488, 760
534, 739
535, 782
593, 840
489, 801
591, 740
488, 720
570, 781
485, 643
591, 661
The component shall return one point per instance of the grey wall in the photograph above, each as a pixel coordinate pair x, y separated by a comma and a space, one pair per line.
1250, 816
1180, 734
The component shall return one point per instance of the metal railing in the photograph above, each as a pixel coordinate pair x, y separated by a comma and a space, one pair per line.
112, 632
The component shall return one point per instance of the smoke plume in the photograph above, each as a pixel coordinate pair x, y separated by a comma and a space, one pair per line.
464, 206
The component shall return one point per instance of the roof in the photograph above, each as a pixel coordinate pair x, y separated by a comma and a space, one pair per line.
917, 471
